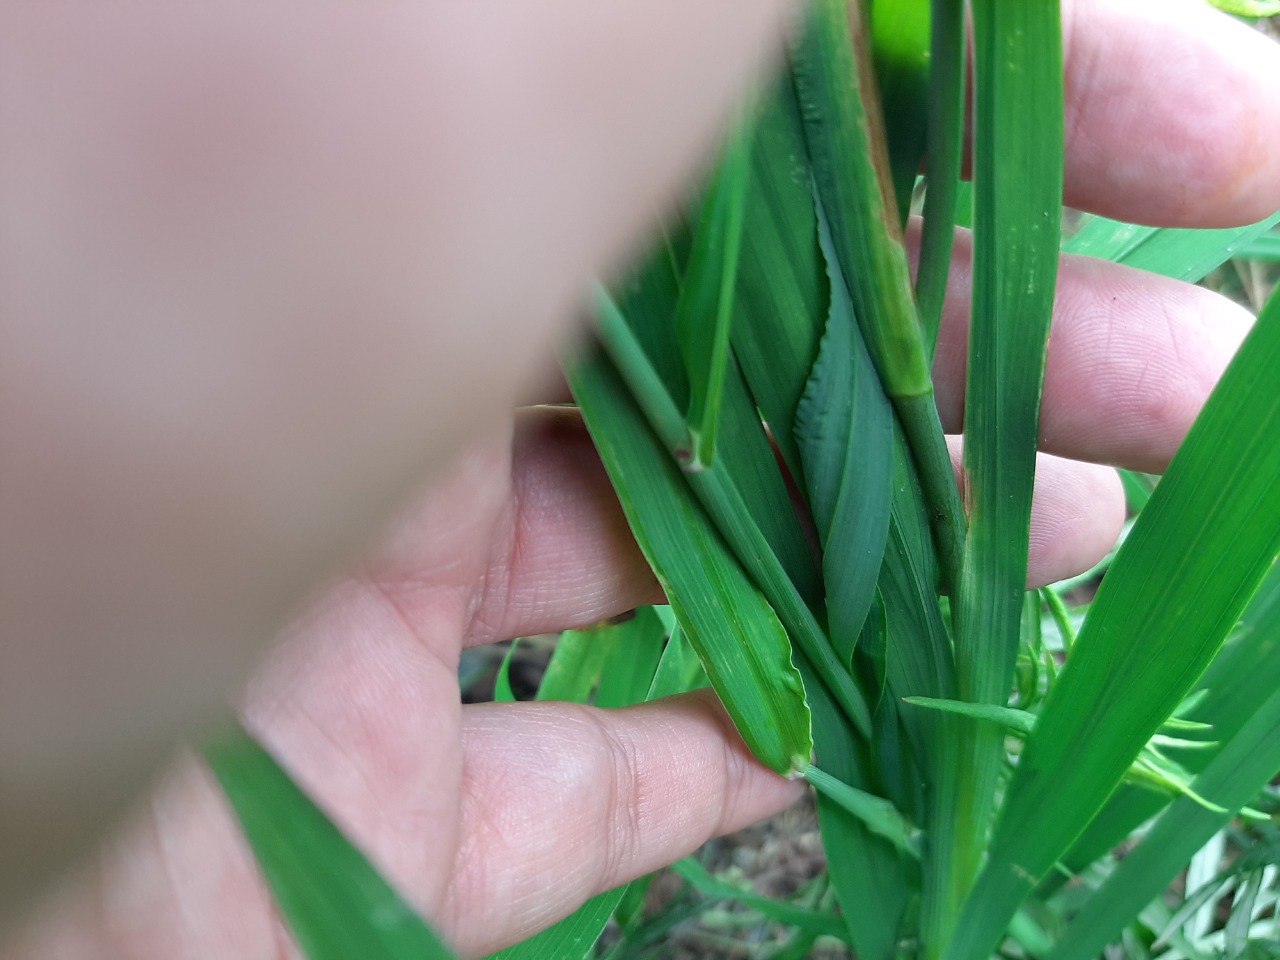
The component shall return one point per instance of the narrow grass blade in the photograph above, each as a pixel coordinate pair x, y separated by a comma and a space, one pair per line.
679, 670
573, 937
1018, 126
334, 901
575, 666
846, 138
1239, 773
900, 52
745, 455
1240, 680
876, 813
1009, 718
1194, 559
746, 656
811, 921
945, 156
844, 428
631, 664
723, 500
705, 307
1179, 253
1265, 247
632, 672
870, 876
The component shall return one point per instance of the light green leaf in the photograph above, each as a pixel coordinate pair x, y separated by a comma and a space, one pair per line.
1249, 8
1183, 254
502, 692
723, 500
573, 937
1016, 721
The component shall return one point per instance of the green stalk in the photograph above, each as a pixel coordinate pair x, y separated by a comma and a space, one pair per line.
717, 492
708, 295
1018, 127
845, 132
945, 154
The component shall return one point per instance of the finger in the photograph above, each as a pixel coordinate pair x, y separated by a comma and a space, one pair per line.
1172, 117
563, 802
1131, 359
314, 247
577, 561
526, 539
1077, 512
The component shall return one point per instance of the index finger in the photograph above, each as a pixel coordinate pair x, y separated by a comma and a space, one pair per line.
1172, 113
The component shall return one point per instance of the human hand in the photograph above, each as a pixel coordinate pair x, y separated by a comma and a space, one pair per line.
361, 701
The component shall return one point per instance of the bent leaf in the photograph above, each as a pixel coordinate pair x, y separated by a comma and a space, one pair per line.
739, 639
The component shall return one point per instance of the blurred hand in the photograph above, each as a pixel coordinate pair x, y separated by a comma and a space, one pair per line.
270, 269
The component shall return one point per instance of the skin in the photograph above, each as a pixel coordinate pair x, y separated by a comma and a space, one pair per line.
257, 379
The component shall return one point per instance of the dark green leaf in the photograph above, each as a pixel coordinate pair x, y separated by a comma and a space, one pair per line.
844, 428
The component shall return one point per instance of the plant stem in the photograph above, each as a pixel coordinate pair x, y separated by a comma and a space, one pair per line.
721, 498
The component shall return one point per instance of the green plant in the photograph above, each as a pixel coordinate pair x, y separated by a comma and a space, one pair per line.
890, 652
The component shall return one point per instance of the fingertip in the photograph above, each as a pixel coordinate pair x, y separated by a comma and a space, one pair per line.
1172, 114
1077, 514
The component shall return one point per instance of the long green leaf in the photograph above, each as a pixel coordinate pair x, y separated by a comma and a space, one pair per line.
1179, 253
637, 679
573, 937
870, 876
745, 454
335, 902
635, 652
1195, 557
1240, 680
876, 813
746, 656
723, 500
821, 924
1240, 771
1018, 126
